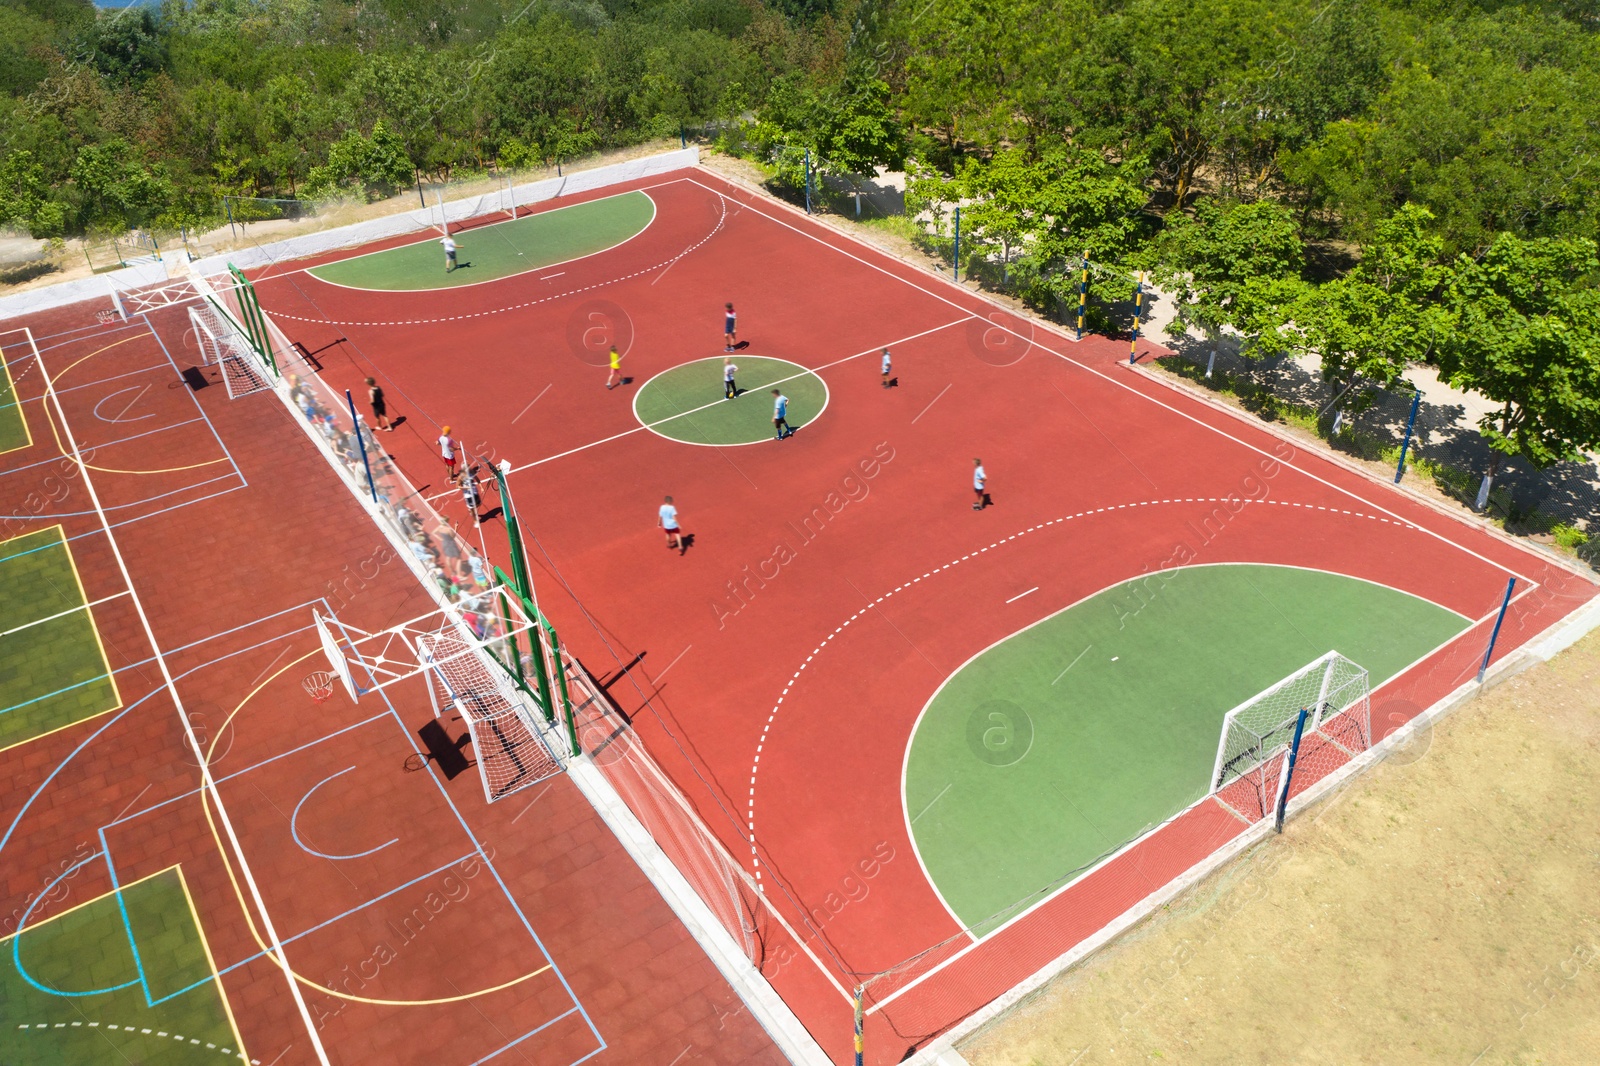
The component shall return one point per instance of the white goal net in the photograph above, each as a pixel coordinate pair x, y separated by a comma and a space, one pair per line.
1253, 752
222, 345
506, 737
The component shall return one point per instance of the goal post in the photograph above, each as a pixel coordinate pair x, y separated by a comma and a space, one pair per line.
1253, 750
220, 344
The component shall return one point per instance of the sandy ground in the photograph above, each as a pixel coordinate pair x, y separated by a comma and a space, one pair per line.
1443, 908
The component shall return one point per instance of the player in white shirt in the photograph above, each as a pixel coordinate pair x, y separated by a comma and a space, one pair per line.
979, 479
886, 368
668, 521
449, 243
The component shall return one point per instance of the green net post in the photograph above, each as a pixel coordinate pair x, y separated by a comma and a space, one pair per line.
536, 647
255, 323
561, 685
511, 642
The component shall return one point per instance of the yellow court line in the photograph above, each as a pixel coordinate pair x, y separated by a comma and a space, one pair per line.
55, 431
83, 596
16, 399
255, 934
211, 961
216, 975
78, 907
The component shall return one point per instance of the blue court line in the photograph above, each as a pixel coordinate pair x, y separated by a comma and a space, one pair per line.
294, 819
51, 695
119, 506
97, 328
89, 450
465, 828
353, 910
114, 719
127, 924
181, 506
88, 384
535, 1032
16, 939
254, 766
192, 397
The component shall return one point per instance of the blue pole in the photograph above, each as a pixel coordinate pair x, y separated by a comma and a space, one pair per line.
1288, 771
361, 445
957, 259
1399, 471
1483, 667
808, 181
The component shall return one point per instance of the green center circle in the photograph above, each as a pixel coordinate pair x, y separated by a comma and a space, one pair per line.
688, 403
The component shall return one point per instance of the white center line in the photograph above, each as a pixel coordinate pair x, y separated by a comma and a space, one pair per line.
1073, 663
931, 802
533, 401
932, 402
1019, 595
673, 663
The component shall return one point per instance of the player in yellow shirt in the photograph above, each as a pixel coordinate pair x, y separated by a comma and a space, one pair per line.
616, 369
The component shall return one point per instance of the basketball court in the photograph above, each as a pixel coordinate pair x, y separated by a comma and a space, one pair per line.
208, 851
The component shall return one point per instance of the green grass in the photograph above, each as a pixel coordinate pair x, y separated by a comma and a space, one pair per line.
499, 250
1033, 762
89, 949
670, 403
13, 428
53, 671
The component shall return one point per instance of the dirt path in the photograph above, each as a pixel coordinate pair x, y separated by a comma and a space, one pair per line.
1444, 908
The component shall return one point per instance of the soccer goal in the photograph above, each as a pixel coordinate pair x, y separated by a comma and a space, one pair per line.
512, 751
1253, 752
223, 346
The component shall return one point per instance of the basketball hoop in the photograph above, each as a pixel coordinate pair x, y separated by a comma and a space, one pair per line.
319, 686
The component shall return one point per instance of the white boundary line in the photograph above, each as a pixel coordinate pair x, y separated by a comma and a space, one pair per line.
1546, 646
63, 614
654, 213
1104, 376
827, 395
207, 781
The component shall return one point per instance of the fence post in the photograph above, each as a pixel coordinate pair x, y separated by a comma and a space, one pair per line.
808, 180
1083, 292
956, 260
1405, 445
1483, 667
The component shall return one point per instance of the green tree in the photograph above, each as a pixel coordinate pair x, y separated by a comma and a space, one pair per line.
1374, 323
117, 190
1528, 337
124, 43
857, 132
1233, 265
376, 165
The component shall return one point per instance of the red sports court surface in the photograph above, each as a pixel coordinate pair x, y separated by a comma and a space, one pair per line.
837, 578
421, 925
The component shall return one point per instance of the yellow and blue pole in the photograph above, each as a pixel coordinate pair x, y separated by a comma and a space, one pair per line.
860, 998
1138, 308
1083, 293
